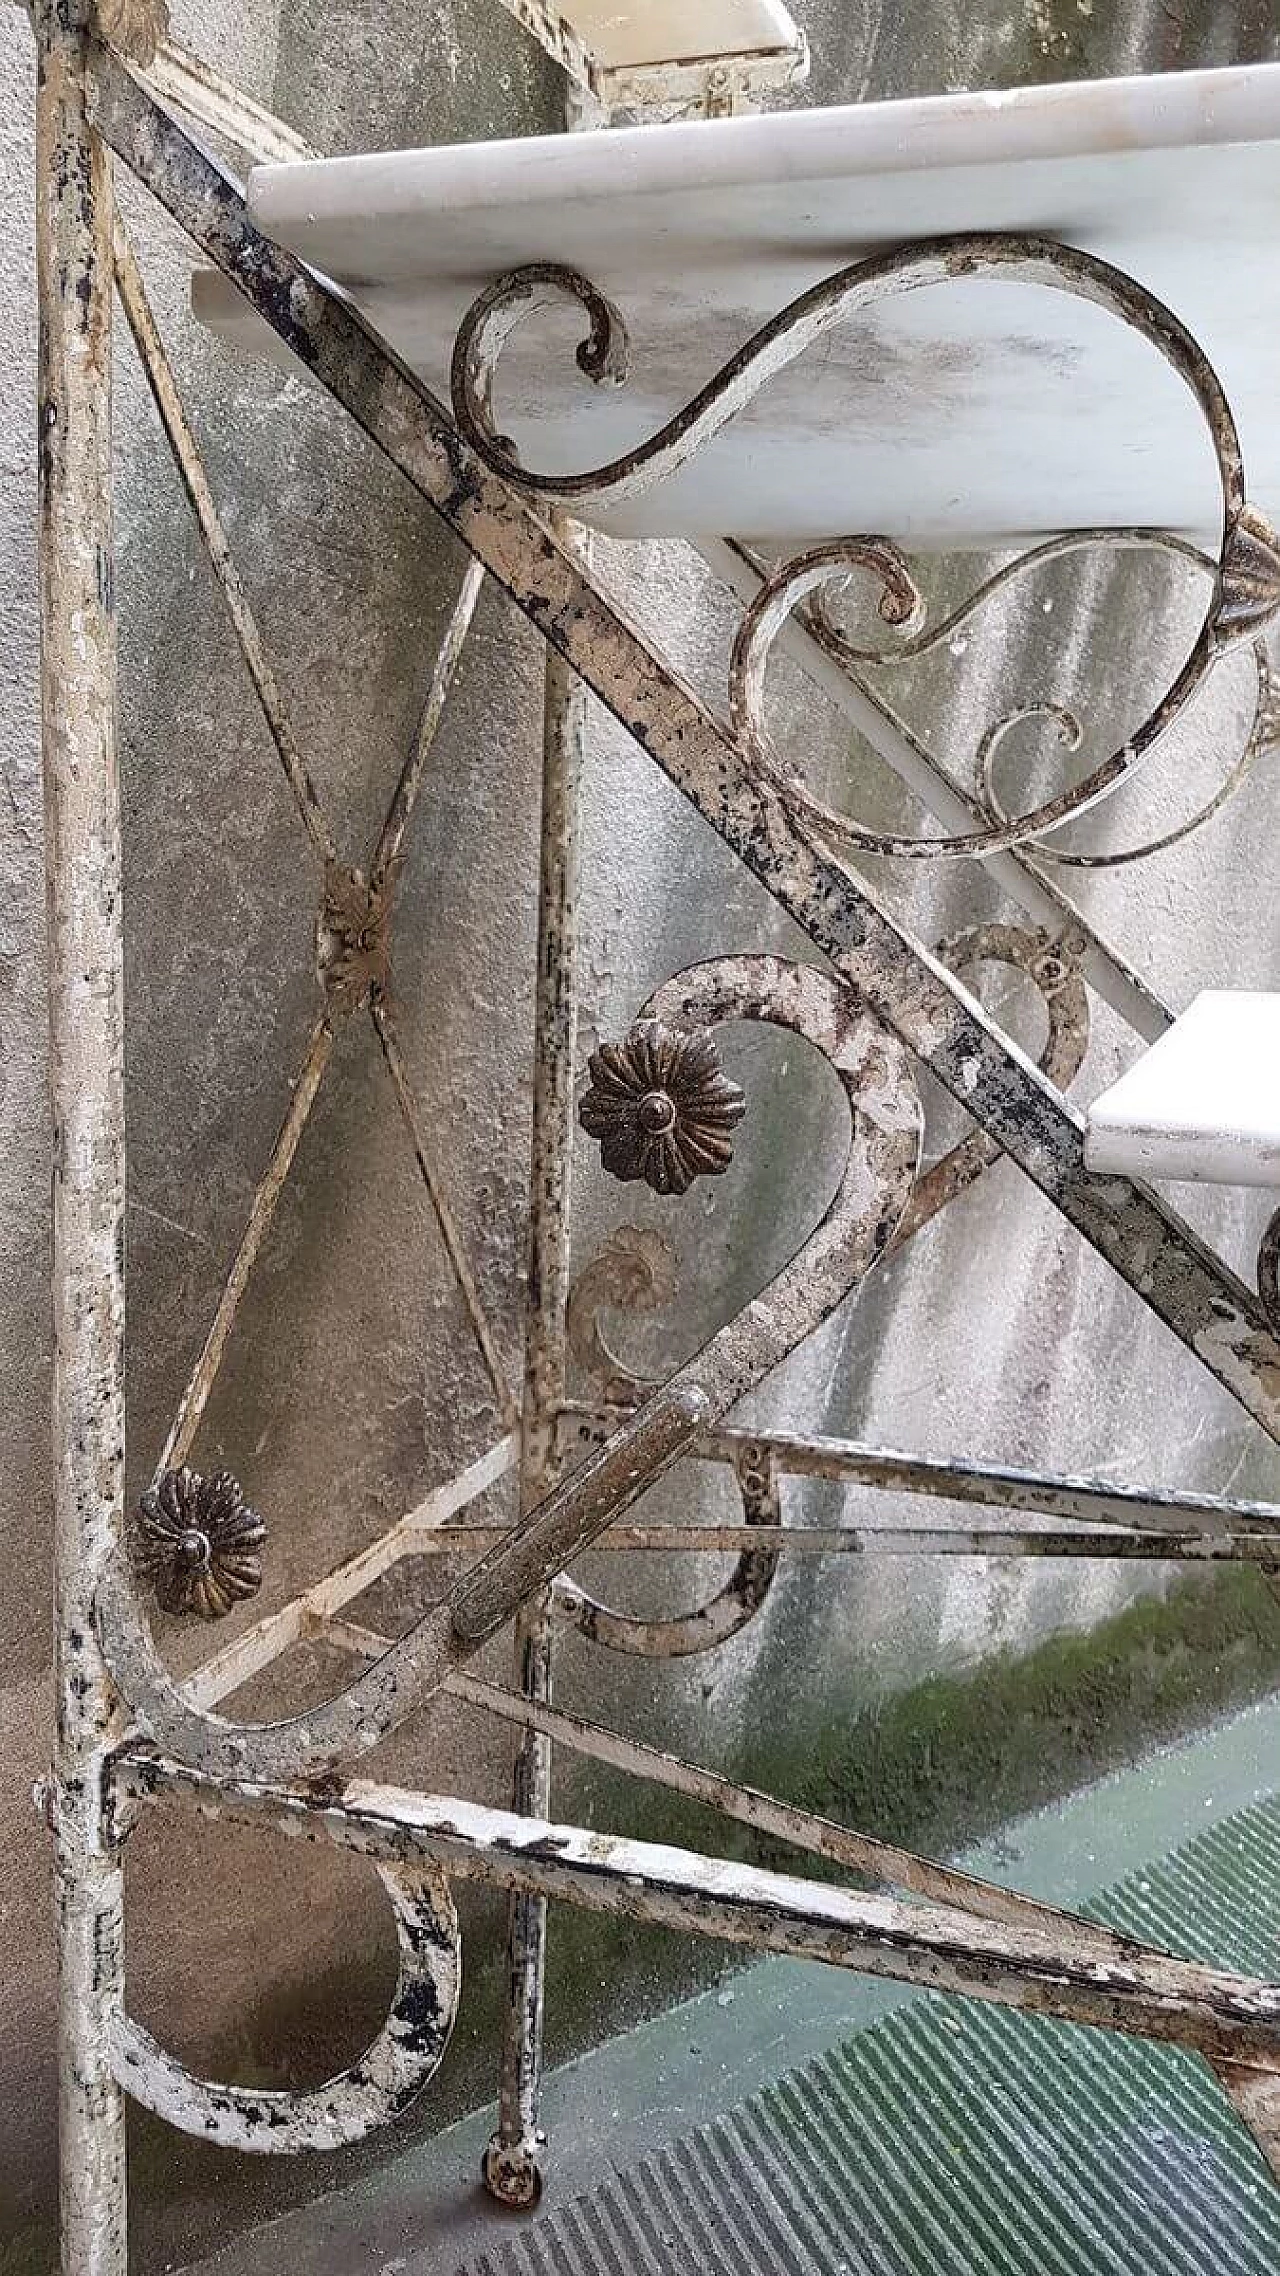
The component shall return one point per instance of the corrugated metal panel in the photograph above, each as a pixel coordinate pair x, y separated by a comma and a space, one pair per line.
955, 2139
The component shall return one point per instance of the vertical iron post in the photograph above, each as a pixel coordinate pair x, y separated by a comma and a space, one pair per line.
86, 1012
512, 2166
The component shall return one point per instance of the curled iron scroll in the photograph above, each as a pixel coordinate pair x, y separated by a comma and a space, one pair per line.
393, 2070
827, 1014
1246, 586
735, 1603
850, 1239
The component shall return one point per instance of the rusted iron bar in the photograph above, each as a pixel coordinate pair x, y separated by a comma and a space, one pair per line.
899, 1541
302, 1098
1043, 1972
890, 736
890, 1865
86, 1073
1178, 1276
512, 2165
384, 1021
385, 865
533, 1552
1091, 1501
160, 378
557, 37
255, 1648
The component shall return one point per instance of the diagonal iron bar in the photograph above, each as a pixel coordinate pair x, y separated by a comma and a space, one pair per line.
904, 1541
205, 95
164, 388
876, 719
168, 400
388, 1036
1224, 2016
385, 867
1182, 1280
1091, 1501
262, 1209
887, 1862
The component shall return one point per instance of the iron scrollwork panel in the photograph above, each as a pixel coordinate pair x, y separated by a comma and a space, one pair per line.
636, 1267
873, 1193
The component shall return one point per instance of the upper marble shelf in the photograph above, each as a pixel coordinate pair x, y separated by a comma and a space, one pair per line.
966, 414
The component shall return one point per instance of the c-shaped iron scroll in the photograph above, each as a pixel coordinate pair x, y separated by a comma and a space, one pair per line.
806, 1001
873, 1192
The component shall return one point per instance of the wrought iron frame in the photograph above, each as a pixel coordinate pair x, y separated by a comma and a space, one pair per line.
128, 1736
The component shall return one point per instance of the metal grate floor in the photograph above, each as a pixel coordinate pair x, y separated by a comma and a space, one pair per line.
956, 2139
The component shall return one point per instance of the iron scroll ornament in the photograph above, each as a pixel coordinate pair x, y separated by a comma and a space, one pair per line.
635, 1271
376, 2089
1245, 593
852, 1236
856, 657
636, 1268
826, 1015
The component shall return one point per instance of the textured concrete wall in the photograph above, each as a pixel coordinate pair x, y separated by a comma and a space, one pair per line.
351, 1386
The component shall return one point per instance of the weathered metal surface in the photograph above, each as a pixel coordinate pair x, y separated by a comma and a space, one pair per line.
850, 1239
1262, 737
1050, 963
557, 35
732, 1606
661, 1107
413, 1535
1246, 593
1195, 1292
723, 776
205, 95
1038, 1969
874, 1540
851, 690
197, 1544
888, 1864
384, 869
809, 1004
1255, 2098
512, 2167
1090, 1502
86, 1079
353, 942
204, 1374
377, 2088
353, 952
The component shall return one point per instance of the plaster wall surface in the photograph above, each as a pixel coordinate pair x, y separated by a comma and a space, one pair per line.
351, 1386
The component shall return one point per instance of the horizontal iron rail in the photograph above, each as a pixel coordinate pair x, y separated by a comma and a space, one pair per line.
1174, 1271
1054, 1972
1094, 1501
894, 1541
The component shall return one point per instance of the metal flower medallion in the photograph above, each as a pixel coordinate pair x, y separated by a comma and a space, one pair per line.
198, 1543
661, 1106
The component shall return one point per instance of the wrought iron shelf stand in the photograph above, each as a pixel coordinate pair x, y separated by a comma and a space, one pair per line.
132, 1737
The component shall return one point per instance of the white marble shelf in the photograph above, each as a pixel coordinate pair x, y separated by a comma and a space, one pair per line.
1203, 1102
958, 415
